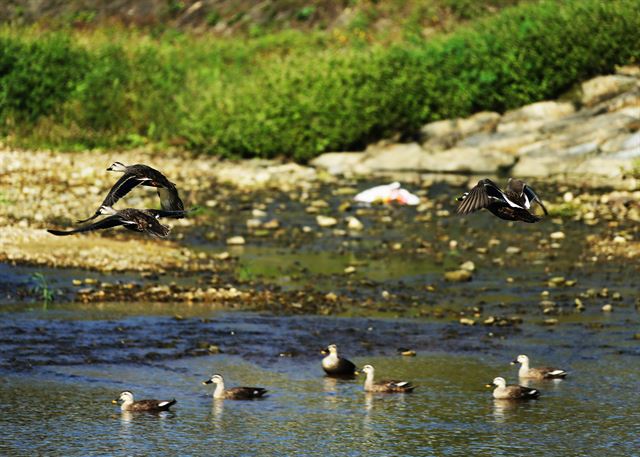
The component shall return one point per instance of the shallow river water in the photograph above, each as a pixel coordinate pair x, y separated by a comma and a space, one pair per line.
62, 363
58, 403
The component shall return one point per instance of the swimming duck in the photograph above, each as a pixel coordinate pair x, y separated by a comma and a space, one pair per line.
128, 404
235, 393
537, 373
384, 386
334, 365
137, 220
512, 204
503, 391
135, 175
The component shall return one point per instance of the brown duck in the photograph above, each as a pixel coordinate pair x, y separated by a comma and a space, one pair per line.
384, 386
503, 391
527, 372
127, 404
235, 393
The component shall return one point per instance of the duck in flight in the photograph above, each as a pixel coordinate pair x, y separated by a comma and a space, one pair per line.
512, 204
137, 220
136, 175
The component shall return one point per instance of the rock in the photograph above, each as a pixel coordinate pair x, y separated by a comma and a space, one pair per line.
607, 308
338, 163
395, 156
350, 269
557, 236
437, 129
354, 224
550, 321
440, 135
619, 239
533, 116
236, 241
512, 250
484, 121
458, 276
468, 266
271, 225
604, 87
467, 321
326, 221
466, 160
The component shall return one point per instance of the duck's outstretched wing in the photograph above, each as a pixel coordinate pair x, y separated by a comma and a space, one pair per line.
122, 187
170, 214
533, 197
479, 197
170, 200
107, 222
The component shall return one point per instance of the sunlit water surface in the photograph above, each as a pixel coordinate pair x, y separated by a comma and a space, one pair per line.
63, 408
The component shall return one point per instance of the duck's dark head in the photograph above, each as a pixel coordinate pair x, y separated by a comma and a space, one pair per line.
117, 166
515, 185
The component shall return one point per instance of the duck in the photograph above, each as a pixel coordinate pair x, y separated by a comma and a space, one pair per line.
503, 391
235, 393
139, 174
137, 220
384, 386
527, 372
511, 204
128, 404
334, 365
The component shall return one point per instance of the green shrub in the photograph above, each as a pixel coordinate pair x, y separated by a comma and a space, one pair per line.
299, 94
37, 77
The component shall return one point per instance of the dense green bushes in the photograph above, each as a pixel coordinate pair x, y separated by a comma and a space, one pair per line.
259, 98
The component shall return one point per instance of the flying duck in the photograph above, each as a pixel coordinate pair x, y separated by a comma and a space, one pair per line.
137, 220
128, 404
537, 373
384, 386
135, 175
503, 391
235, 393
511, 204
334, 365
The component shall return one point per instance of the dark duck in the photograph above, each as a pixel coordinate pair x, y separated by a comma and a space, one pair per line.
144, 175
512, 204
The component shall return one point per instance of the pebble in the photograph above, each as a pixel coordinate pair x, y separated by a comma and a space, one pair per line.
326, 221
236, 241
513, 250
557, 236
468, 265
607, 308
467, 321
353, 223
350, 269
458, 276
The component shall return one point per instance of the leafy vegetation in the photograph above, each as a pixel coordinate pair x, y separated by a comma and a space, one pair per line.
297, 94
42, 289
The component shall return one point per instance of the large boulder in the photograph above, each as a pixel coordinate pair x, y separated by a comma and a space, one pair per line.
533, 116
604, 87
